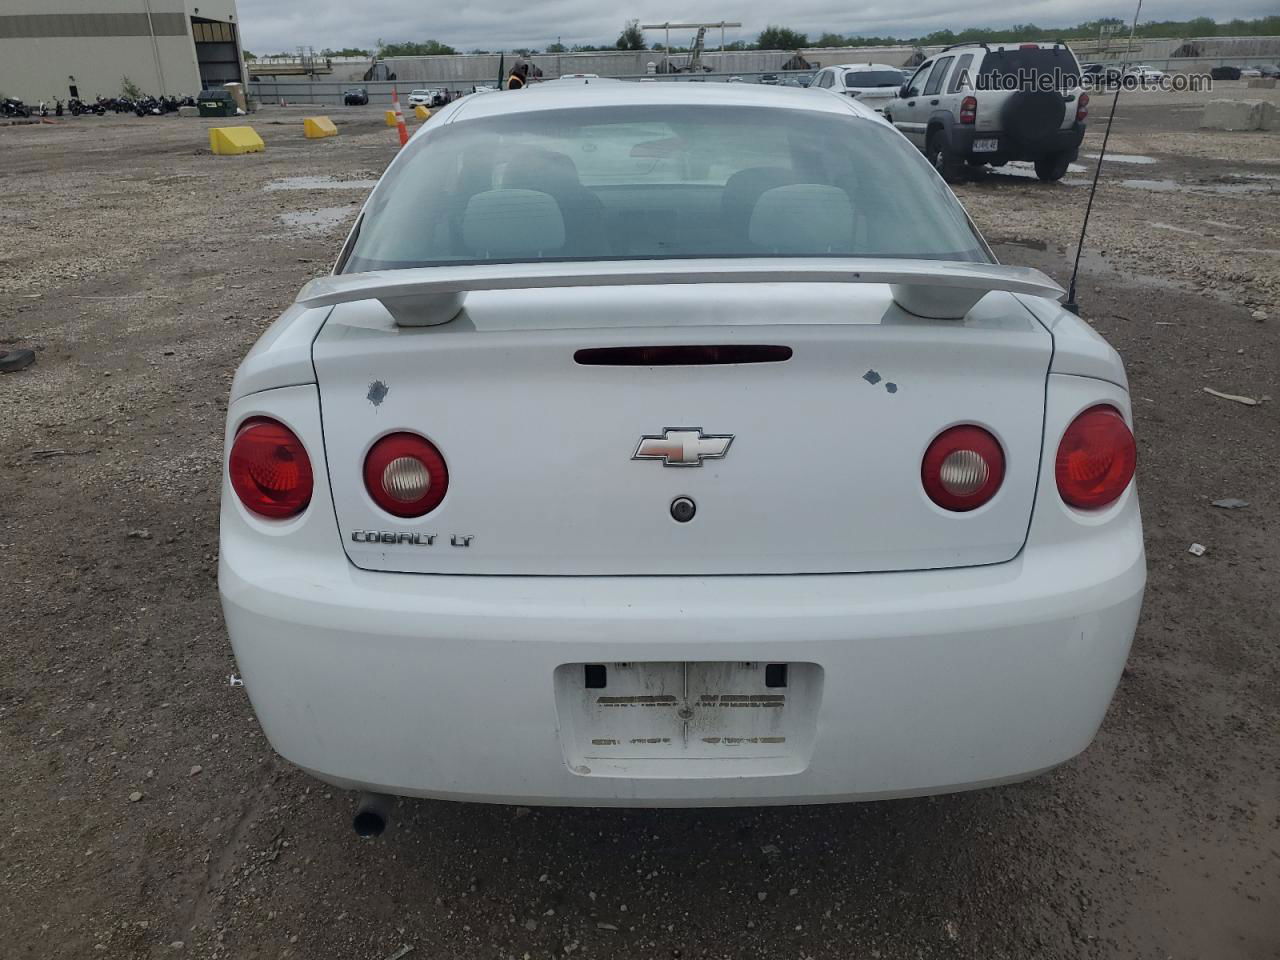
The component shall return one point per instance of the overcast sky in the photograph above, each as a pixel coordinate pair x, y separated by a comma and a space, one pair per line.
270, 26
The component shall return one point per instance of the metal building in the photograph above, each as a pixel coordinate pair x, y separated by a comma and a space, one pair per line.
86, 48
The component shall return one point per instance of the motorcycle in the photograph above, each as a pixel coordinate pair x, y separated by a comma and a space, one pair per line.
79, 106
14, 107
148, 107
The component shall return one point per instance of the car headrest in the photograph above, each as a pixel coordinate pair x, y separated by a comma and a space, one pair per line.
512, 223
542, 168
803, 218
743, 189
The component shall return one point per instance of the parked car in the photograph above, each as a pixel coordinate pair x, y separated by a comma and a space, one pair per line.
428, 98
1224, 73
1268, 70
875, 84
967, 106
355, 97
537, 500
1101, 75
1144, 73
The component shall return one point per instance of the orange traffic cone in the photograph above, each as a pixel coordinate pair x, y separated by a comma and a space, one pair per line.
395, 105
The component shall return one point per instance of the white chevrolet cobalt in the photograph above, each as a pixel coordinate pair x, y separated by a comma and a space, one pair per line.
676, 444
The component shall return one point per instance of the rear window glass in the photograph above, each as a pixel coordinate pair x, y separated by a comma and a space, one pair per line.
873, 78
639, 182
1039, 69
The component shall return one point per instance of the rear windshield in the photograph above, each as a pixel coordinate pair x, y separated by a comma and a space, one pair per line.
873, 78
1033, 69
640, 182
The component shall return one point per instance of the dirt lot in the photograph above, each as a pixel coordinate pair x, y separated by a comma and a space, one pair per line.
142, 268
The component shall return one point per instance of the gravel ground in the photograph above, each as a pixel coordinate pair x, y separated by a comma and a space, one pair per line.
148, 817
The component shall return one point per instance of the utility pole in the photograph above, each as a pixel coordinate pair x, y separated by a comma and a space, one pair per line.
155, 49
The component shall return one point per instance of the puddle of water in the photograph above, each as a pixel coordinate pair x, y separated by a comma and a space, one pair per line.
1122, 158
1172, 186
1021, 168
1170, 226
1021, 242
1160, 186
1235, 187
318, 183
326, 218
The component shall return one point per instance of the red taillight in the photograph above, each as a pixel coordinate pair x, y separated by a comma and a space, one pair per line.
969, 110
1028, 46
1096, 458
406, 475
1082, 108
963, 468
269, 469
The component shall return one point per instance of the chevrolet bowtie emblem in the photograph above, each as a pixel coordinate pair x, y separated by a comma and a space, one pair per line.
683, 447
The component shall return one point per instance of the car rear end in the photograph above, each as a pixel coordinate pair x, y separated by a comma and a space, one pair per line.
511, 527
1029, 104
874, 85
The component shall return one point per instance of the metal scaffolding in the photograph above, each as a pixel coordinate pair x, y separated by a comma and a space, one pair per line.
669, 26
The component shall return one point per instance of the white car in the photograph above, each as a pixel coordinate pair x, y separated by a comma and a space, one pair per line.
875, 84
424, 98
976, 103
1144, 73
690, 449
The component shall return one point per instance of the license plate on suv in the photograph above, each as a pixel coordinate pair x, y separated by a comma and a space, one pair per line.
990, 145
661, 719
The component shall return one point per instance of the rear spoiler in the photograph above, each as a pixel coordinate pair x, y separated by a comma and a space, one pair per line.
427, 296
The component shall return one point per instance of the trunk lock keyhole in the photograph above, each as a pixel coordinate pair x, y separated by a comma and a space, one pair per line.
683, 509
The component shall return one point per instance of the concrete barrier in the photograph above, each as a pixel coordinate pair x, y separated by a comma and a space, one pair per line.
317, 127
1262, 83
233, 141
1270, 117
1234, 114
188, 111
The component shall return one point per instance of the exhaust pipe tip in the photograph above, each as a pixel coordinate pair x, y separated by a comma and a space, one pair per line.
373, 813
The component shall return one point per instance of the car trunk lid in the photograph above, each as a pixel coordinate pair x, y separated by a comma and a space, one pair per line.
822, 474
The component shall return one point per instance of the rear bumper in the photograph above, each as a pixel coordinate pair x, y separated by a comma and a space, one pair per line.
442, 686
963, 137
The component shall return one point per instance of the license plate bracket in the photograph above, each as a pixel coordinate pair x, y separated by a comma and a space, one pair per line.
656, 718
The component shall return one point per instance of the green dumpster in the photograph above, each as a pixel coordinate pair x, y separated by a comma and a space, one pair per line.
216, 103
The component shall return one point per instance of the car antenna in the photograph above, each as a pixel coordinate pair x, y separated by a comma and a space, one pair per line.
1071, 303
